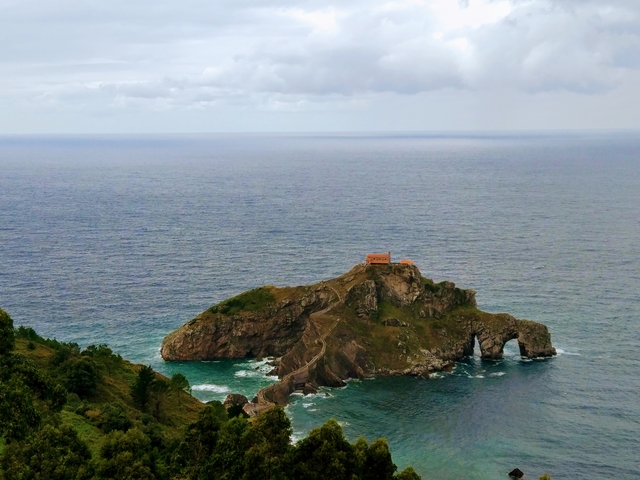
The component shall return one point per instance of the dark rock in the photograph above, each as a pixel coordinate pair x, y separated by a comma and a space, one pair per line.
309, 389
235, 399
391, 322
516, 473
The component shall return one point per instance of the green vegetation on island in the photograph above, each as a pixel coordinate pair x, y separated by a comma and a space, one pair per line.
71, 413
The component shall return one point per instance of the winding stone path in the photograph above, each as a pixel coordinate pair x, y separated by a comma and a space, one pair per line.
262, 403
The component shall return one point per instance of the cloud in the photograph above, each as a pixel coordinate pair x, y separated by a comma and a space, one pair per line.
296, 54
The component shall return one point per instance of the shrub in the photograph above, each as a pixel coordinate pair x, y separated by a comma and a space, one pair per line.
80, 375
248, 301
49, 453
27, 333
408, 474
7, 336
114, 417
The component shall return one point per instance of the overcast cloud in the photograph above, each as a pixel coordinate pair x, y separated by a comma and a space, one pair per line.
109, 66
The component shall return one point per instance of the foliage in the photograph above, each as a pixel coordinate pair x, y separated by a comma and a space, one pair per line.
80, 374
202, 435
545, 477
114, 417
236, 411
49, 453
325, 453
408, 474
43, 437
63, 352
268, 454
178, 384
18, 414
7, 336
21, 384
159, 390
127, 455
141, 389
248, 301
103, 356
378, 464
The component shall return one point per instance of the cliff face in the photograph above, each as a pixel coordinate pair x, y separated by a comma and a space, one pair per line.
383, 319
269, 330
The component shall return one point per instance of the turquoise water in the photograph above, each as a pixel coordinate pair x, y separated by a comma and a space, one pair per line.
122, 239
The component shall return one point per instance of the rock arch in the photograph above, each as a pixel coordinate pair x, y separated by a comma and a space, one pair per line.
533, 338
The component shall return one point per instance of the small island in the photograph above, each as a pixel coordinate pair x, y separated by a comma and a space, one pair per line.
380, 318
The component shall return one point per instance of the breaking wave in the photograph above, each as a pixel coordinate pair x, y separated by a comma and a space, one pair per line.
210, 387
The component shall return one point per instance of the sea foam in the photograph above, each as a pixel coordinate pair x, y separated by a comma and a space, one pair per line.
210, 387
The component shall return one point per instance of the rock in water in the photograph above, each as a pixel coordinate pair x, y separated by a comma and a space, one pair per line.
235, 399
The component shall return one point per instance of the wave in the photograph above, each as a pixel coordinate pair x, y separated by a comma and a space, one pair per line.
255, 363
248, 373
496, 374
560, 351
210, 387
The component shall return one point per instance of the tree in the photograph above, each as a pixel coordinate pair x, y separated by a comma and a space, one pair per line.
103, 356
378, 464
325, 453
49, 453
141, 389
200, 439
7, 335
408, 474
80, 374
270, 439
18, 414
114, 417
179, 383
227, 460
159, 389
127, 455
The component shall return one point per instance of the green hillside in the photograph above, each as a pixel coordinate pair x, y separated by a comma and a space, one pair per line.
71, 413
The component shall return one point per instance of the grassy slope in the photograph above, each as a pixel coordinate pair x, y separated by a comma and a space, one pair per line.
178, 408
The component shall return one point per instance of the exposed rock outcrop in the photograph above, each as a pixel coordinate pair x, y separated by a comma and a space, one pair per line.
235, 399
382, 319
271, 330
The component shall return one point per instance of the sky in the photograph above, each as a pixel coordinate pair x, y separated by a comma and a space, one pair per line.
154, 66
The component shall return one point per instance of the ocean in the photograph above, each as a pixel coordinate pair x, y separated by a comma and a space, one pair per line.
121, 239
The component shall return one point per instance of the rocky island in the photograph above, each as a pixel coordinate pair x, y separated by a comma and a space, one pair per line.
373, 320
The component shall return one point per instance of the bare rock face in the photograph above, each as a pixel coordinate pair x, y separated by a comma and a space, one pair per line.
271, 331
534, 339
363, 297
401, 285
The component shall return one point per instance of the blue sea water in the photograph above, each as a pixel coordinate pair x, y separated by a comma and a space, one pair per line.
121, 239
